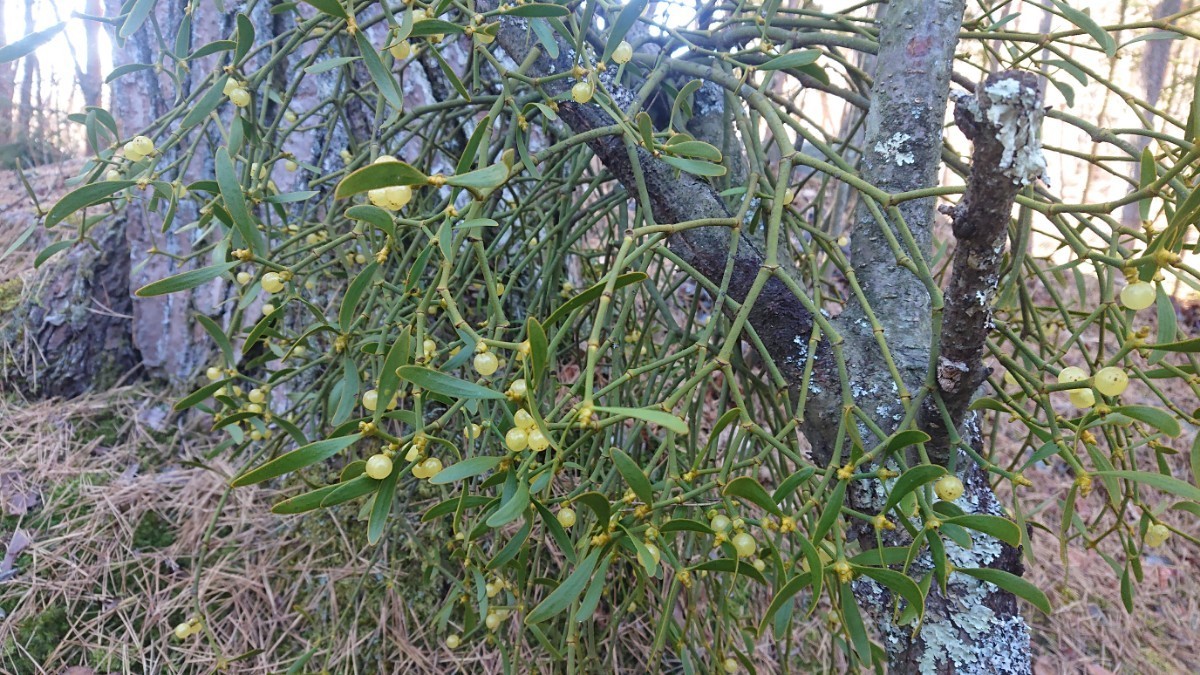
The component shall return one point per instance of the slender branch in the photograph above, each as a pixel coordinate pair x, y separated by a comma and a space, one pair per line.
1003, 120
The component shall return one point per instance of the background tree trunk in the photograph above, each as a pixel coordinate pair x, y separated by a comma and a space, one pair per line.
8, 81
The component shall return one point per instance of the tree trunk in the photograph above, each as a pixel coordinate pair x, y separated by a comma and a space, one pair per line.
8, 76
91, 81
25, 111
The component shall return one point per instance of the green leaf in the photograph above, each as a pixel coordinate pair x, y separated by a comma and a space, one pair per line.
380, 75
625, 20
185, 280
643, 555
207, 103
467, 159
26, 45
50, 250
429, 27
695, 166
911, 480
1184, 346
450, 74
598, 504
1011, 583
83, 197
235, 202
200, 394
1157, 481
297, 459
467, 468
853, 620
309, 501
1088, 24
245, 37
789, 484
633, 475
128, 68
388, 383
904, 439
330, 7
696, 149
513, 547
1155, 417
447, 385
136, 17
749, 489
565, 545
591, 600
731, 565
1149, 174
685, 525
330, 64
537, 9
792, 60
353, 294
373, 215
899, 583
566, 593
833, 509
592, 293
1001, 528
511, 509
660, 417
539, 348
214, 331
384, 174
782, 596
480, 182
382, 507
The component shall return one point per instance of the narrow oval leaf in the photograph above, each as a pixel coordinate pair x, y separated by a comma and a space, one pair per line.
566, 593
795, 59
297, 459
732, 566
468, 468
448, 385
593, 293
1011, 583
660, 417
235, 202
511, 509
537, 9
625, 20
84, 196
353, 294
384, 174
1001, 528
634, 477
911, 480
899, 583
1155, 417
26, 45
697, 167
185, 280
782, 596
1157, 481
750, 490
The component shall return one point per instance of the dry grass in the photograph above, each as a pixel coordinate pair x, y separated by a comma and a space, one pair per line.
116, 554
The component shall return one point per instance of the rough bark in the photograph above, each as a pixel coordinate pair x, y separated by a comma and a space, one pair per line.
1003, 120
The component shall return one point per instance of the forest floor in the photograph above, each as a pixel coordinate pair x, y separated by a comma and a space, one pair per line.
116, 520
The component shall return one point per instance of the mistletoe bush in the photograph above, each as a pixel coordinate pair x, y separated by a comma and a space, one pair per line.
582, 286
